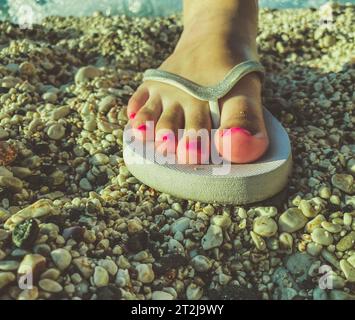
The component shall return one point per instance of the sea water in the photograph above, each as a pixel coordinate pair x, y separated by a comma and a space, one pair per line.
17, 9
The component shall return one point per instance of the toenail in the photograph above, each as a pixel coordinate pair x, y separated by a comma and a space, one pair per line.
234, 130
166, 138
194, 145
132, 115
142, 127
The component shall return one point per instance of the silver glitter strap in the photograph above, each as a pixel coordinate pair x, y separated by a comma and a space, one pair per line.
211, 94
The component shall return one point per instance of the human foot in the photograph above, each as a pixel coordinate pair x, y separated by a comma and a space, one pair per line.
205, 55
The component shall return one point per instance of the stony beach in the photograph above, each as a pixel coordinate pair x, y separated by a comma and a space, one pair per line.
71, 212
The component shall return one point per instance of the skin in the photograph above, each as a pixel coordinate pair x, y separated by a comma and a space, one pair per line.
223, 32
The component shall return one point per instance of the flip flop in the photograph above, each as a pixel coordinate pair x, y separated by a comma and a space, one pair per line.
245, 183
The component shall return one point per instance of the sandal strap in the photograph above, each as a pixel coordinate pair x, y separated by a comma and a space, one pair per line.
211, 94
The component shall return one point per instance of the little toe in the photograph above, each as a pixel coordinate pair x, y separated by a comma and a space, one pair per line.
137, 101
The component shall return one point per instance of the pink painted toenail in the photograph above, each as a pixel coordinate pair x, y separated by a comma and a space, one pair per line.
166, 138
132, 115
234, 130
194, 146
142, 127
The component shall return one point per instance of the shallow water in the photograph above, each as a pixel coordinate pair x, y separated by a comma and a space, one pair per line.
43, 8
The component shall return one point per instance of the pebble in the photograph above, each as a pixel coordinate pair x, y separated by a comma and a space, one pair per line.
11, 183
310, 208
109, 265
6, 278
101, 277
29, 294
325, 192
83, 265
161, 295
319, 294
60, 113
223, 220
4, 235
348, 270
266, 211
341, 295
322, 237
314, 223
50, 286
329, 257
337, 281
351, 260
265, 226
134, 226
331, 227
61, 258
21, 172
286, 242
38, 209
344, 182
50, 97
180, 225
9, 265
85, 184
259, 242
176, 246
76, 233
145, 273
194, 292
51, 273
4, 172
27, 69
100, 159
347, 242
347, 219
107, 103
213, 237
351, 166
292, 220
3, 134
122, 278
314, 249
201, 263
86, 74
56, 131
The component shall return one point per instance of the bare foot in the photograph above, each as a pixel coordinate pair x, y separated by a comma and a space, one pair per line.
217, 35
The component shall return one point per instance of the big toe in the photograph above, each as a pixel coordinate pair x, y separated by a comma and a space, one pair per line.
239, 145
242, 137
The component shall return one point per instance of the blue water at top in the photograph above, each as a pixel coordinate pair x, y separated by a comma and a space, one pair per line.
131, 7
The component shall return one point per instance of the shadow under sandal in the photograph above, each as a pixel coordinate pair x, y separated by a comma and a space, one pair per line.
229, 183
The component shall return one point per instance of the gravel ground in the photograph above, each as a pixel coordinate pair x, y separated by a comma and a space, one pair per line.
71, 212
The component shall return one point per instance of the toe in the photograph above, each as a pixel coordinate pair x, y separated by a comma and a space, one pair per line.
137, 101
146, 118
194, 146
166, 133
242, 136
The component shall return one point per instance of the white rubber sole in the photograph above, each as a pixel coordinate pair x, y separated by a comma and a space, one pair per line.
246, 183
